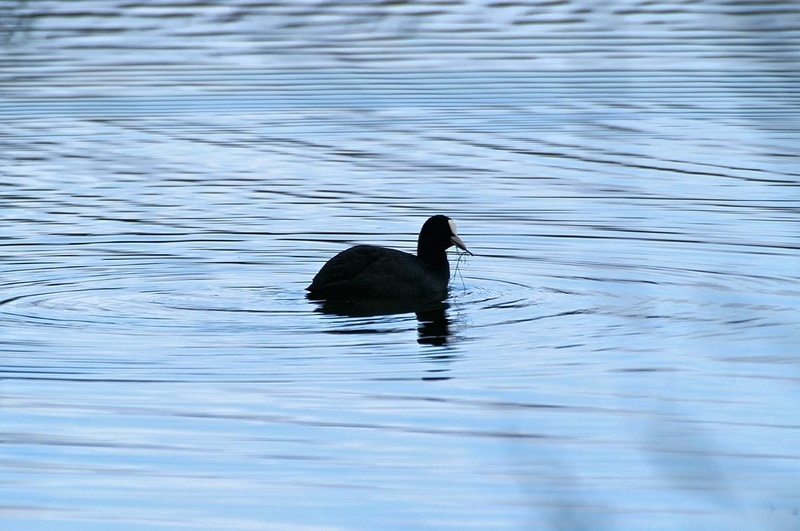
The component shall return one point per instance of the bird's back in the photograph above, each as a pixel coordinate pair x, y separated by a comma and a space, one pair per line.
371, 272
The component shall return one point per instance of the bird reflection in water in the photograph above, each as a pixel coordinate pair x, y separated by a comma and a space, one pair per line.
434, 324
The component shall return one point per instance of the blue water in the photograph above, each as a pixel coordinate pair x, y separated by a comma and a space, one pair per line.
622, 352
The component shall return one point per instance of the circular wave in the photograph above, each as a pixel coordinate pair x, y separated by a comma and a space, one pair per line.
111, 303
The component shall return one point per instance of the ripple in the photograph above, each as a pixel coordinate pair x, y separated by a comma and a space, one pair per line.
485, 292
175, 172
151, 303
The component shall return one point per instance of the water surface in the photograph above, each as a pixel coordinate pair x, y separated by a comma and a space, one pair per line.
620, 353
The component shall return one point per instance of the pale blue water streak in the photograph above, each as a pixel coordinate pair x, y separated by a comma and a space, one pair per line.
621, 353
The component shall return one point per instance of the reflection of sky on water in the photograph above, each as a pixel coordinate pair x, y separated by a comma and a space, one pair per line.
621, 353
460, 36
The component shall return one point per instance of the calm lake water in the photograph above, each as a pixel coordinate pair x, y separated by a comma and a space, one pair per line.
621, 353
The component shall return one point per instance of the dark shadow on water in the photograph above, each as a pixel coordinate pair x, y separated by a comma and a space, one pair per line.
434, 324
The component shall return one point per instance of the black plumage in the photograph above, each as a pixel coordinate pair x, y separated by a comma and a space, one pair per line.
372, 272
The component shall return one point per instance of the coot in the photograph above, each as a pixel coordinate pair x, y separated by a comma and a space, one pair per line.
368, 272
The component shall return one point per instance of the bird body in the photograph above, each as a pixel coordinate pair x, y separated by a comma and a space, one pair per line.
372, 272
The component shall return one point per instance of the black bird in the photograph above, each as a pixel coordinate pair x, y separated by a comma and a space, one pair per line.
368, 272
